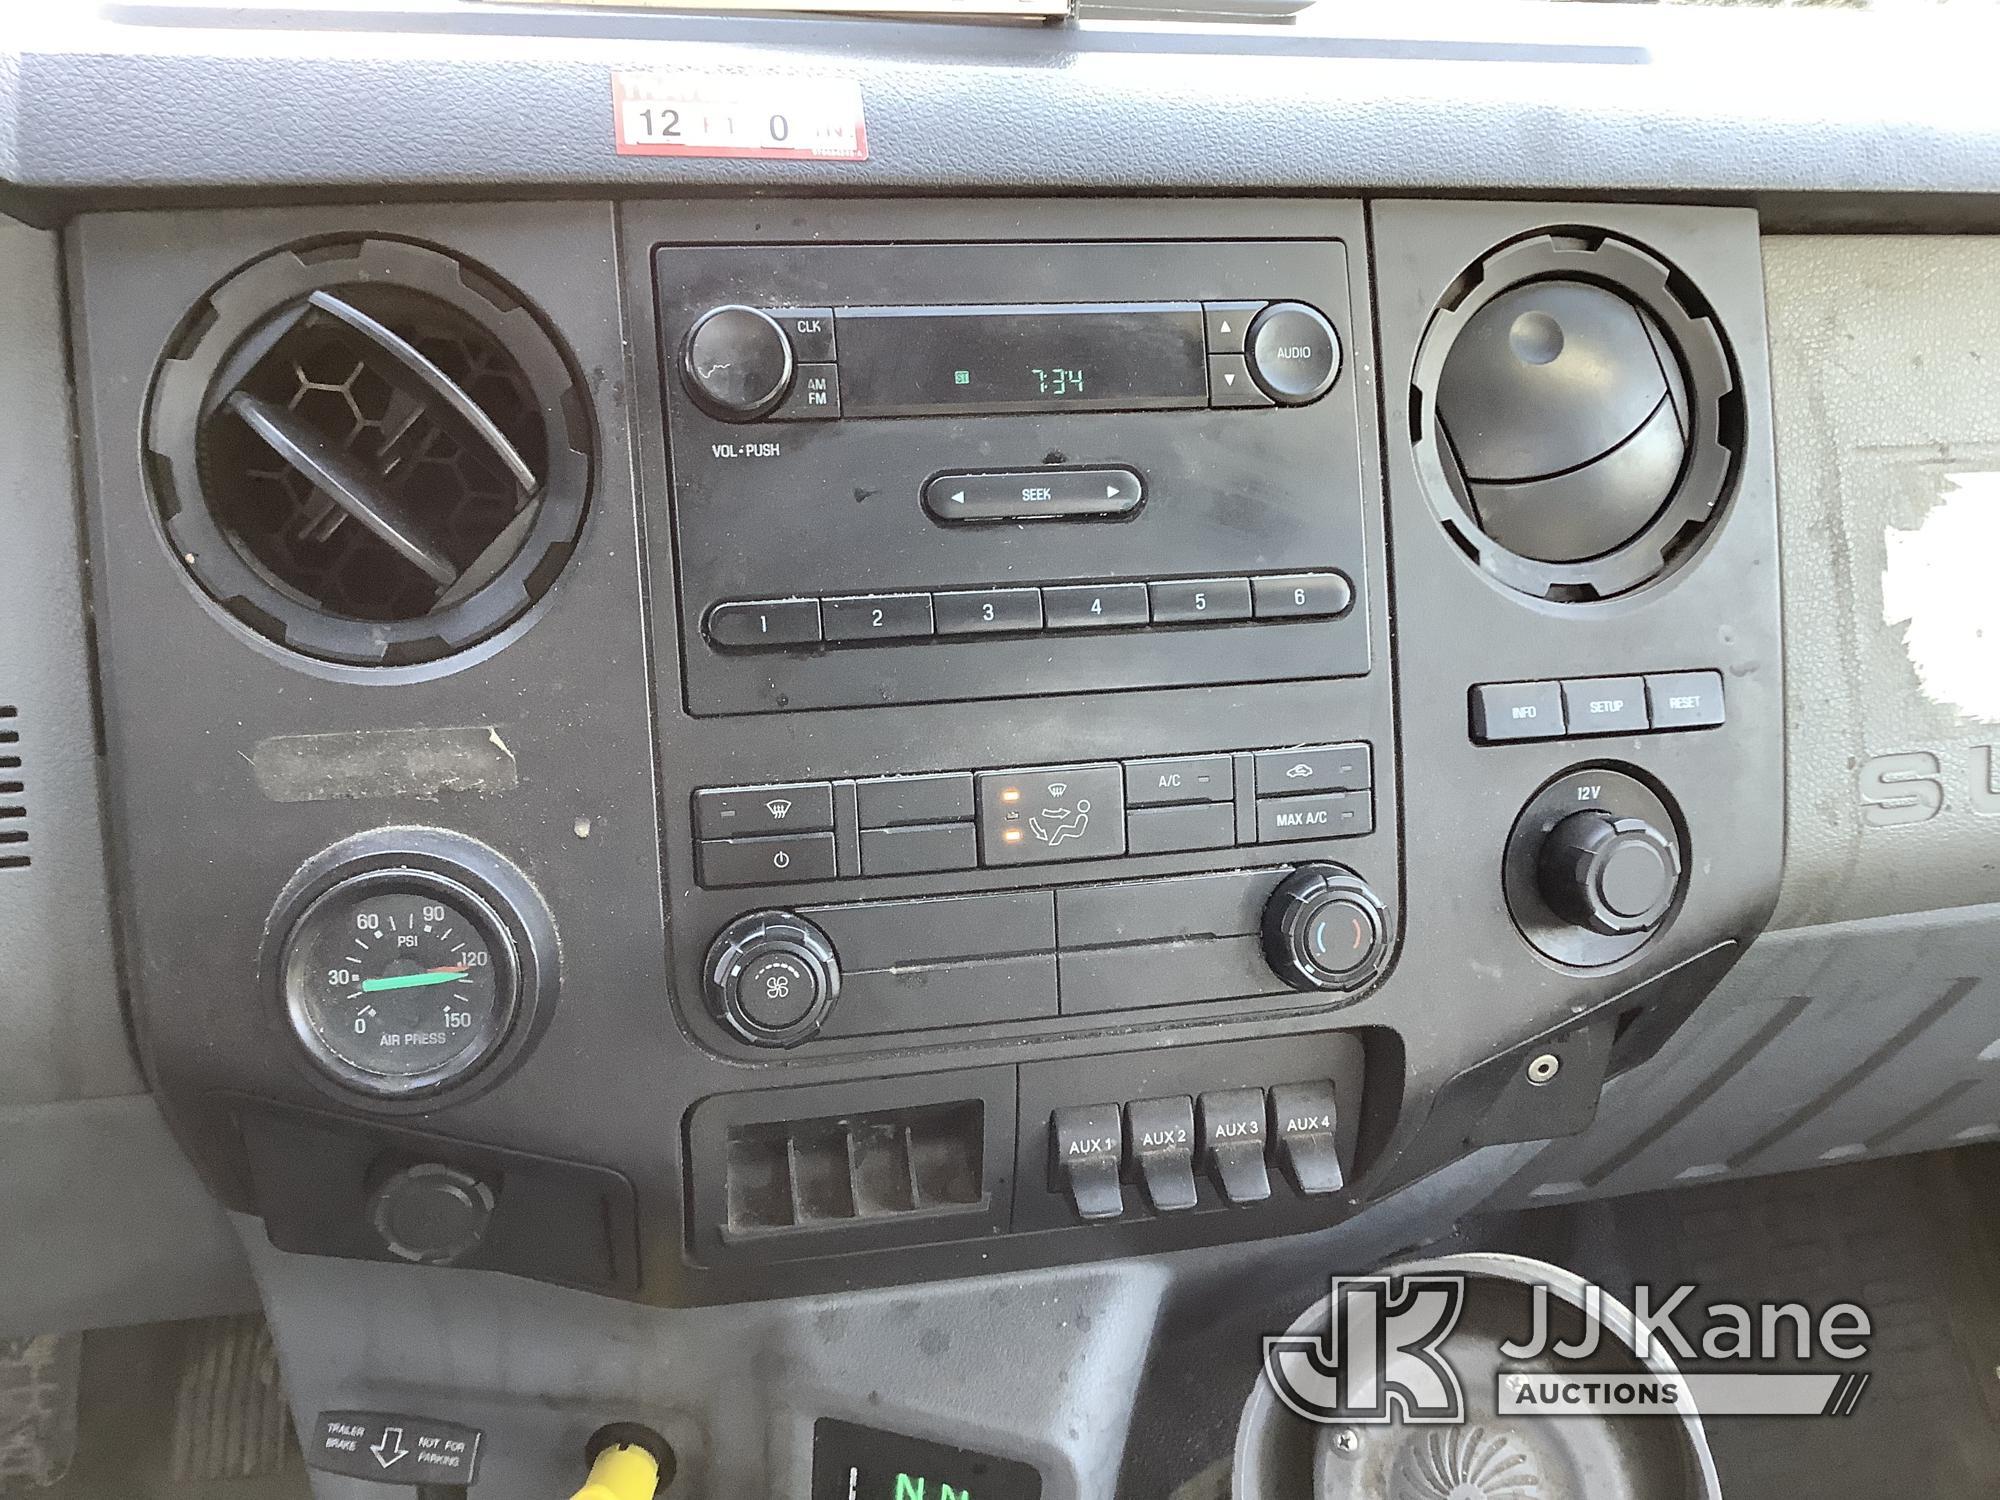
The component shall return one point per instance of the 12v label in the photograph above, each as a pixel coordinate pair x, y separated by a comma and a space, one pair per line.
756, 115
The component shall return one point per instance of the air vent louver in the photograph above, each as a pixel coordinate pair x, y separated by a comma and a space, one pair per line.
13, 793
369, 452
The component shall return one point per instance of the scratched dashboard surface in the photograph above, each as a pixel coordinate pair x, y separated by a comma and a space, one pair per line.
1889, 499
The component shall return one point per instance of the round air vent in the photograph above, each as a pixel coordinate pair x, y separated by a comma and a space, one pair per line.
369, 452
1575, 416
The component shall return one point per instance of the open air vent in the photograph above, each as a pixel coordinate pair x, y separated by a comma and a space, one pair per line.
13, 793
369, 452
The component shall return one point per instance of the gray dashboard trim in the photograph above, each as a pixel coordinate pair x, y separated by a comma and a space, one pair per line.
1728, 104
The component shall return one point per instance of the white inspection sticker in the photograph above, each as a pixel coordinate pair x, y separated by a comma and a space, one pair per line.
707, 114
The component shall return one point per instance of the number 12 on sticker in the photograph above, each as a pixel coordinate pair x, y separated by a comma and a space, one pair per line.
697, 115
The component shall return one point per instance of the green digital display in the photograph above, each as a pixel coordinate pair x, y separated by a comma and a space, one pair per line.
851, 1462
917, 361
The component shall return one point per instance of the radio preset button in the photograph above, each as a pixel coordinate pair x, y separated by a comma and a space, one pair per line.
1227, 324
810, 330
1229, 382
1196, 601
1051, 813
871, 617
1033, 494
1302, 596
987, 611
1103, 606
751, 623
1293, 353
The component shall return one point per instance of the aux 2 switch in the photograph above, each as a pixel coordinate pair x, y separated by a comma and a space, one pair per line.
1324, 929
1159, 1141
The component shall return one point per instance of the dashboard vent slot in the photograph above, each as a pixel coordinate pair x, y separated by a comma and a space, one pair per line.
371, 453
13, 793
814, 1174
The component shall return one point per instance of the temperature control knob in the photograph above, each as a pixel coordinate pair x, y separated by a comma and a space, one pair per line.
737, 363
1609, 874
1324, 929
771, 978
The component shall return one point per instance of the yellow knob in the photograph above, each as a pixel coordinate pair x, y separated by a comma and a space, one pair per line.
621, 1473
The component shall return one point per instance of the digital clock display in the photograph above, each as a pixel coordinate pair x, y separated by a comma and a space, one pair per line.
919, 361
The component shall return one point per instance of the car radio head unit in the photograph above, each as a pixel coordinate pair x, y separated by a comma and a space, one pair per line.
1182, 413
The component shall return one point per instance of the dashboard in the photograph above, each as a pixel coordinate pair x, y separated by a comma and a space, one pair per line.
953, 780
772, 758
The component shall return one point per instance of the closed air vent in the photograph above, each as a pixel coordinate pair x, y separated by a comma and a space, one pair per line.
369, 452
13, 793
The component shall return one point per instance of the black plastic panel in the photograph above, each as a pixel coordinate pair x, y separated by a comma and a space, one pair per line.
774, 510
1155, 995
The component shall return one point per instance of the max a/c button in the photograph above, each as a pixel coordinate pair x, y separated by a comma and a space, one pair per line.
1504, 711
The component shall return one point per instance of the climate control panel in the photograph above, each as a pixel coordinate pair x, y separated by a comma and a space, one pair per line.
794, 832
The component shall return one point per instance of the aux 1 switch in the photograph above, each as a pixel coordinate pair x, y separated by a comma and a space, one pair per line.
1085, 1144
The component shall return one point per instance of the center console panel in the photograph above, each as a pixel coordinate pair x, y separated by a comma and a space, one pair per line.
1065, 729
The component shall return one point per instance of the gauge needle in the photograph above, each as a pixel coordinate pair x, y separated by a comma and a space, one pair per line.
411, 981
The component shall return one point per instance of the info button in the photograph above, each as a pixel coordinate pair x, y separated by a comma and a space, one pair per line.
1033, 494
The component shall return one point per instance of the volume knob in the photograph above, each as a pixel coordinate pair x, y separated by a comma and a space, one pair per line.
737, 363
1609, 874
771, 978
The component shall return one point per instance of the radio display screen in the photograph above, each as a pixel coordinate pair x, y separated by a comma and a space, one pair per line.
925, 361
